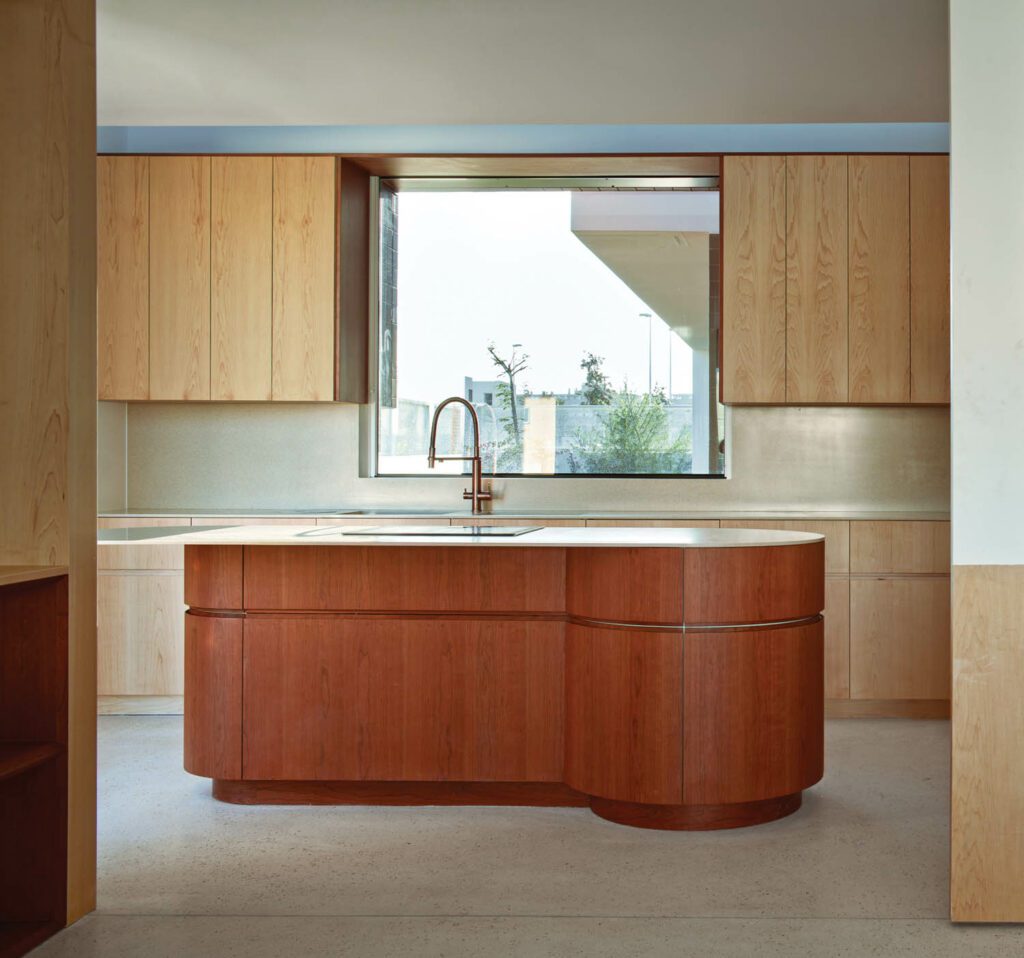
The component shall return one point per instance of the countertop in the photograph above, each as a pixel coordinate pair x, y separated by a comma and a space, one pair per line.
383, 512
550, 537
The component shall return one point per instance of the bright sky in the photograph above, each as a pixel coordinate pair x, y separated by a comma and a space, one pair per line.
505, 267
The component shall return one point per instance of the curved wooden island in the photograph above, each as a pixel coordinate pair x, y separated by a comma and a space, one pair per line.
666, 678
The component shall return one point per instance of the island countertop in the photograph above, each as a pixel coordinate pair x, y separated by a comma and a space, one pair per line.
541, 537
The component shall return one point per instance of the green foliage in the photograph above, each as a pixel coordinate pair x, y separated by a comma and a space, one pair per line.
633, 437
597, 389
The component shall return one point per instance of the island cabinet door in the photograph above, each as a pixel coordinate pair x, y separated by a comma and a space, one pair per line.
345, 699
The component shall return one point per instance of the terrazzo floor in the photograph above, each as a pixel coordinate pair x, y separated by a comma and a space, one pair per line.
861, 869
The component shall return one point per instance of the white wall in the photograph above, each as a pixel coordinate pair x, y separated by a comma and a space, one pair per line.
521, 61
987, 236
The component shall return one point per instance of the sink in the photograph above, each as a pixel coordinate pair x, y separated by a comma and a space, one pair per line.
475, 532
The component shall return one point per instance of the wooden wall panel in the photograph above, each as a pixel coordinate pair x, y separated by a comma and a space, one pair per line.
419, 578
987, 878
466, 700
899, 638
213, 696
753, 708
304, 264
122, 261
929, 279
179, 269
754, 279
241, 267
766, 584
626, 585
140, 625
879, 279
624, 733
835, 531
899, 547
817, 302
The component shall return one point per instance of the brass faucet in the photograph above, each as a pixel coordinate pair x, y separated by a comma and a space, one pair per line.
476, 493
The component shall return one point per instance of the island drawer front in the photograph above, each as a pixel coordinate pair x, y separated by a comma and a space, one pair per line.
747, 586
344, 699
626, 585
753, 714
419, 579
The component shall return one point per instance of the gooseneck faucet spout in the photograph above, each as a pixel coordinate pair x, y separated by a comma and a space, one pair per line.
476, 493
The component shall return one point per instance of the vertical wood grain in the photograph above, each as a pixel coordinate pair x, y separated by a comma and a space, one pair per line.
141, 633
899, 638
754, 279
929, 279
837, 638
179, 344
753, 714
213, 696
879, 251
624, 714
241, 267
987, 844
122, 260
461, 700
303, 282
817, 301
48, 360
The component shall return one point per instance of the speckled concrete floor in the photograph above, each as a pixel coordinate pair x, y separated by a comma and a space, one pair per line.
860, 870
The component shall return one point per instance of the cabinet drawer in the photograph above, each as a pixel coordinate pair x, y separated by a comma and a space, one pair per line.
899, 638
836, 533
899, 547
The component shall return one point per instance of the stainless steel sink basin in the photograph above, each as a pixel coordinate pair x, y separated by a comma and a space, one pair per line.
426, 531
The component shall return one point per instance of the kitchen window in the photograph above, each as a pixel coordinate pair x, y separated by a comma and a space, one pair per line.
578, 316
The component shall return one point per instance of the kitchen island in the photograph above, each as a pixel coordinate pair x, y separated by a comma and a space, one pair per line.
666, 678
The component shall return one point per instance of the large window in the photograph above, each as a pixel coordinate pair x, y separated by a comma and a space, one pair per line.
579, 319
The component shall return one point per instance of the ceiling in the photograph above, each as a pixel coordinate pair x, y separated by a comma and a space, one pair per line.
353, 62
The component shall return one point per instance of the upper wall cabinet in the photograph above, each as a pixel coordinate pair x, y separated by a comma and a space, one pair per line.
217, 278
865, 248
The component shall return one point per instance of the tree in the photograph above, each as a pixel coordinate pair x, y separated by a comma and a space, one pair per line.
633, 437
597, 389
510, 449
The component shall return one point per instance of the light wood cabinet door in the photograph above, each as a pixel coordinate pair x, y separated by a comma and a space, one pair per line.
817, 300
179, 199
241, 267
122, 276
140, 622
929, 279
837, 638
899, 638
879, 279
303, 278
754, 279
900, 547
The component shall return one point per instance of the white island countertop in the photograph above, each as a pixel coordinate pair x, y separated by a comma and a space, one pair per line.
550, 537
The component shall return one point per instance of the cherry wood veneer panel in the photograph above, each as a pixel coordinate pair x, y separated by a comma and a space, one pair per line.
624, 733
743, 586
213, 696
403, 699
397, 579
753, 714
626, 585
213, 577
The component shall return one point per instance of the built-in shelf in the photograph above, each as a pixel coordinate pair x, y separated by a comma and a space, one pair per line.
17, 758
16, 574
